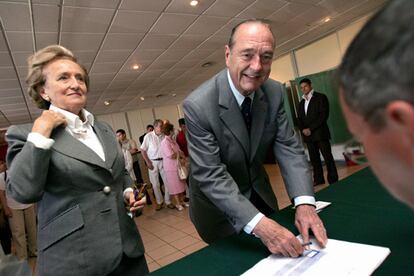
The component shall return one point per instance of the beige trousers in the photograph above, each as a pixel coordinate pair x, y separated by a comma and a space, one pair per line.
23, 228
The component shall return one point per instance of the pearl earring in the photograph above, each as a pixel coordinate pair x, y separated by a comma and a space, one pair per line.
47, 98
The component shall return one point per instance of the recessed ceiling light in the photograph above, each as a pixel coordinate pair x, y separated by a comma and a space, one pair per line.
327, 19
107, 102
142, 98
194, 3
135, 66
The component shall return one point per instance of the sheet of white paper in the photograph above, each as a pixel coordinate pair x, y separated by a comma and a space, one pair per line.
320, 205
338, 258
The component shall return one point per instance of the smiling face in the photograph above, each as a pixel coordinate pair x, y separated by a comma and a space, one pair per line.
64, 85
250, 58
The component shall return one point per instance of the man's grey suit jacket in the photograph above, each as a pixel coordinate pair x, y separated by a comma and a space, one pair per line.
226, 163
81, 229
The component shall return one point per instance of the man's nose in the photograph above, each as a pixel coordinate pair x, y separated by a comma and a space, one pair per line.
256, 63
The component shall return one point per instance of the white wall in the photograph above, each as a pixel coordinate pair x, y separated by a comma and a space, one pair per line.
324, 54
282, 69
169, 112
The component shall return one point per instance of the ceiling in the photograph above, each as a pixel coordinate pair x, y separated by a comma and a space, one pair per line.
169, 39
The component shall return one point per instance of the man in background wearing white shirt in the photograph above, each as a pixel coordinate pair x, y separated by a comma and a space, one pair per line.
150, 150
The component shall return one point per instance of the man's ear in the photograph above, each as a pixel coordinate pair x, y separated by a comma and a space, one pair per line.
401, 114
227, 54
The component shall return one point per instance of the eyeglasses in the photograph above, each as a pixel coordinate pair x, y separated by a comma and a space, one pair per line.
354, 153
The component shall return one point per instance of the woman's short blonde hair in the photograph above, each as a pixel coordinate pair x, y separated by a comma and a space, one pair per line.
35, 78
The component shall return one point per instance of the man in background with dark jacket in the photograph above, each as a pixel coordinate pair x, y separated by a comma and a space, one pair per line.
313, 114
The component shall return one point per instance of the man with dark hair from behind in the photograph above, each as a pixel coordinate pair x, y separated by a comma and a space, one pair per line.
313, 115
377, 95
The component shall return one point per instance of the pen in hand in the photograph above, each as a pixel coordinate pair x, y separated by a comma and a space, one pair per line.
306, 245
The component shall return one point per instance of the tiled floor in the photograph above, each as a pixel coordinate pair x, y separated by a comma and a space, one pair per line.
169, 235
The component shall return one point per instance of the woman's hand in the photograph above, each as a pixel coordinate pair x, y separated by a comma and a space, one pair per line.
48, 121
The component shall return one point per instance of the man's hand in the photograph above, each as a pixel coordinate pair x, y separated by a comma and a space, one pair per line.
278, 239
305, 219
48, 121
306, 132
7, 212
150, 165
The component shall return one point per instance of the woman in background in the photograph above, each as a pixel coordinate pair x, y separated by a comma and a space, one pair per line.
171, 155
72, 166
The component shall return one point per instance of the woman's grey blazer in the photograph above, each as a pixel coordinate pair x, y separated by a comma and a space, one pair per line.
83, 229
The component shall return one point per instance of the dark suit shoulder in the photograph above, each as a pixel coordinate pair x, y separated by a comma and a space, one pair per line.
318, 95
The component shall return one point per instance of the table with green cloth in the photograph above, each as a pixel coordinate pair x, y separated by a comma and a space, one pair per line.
361, 211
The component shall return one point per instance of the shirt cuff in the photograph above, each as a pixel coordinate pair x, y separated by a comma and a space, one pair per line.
300, 200
252, 224
40, 141
128, 190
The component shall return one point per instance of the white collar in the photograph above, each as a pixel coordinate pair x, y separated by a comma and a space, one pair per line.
73, 120
239, 96
307, 98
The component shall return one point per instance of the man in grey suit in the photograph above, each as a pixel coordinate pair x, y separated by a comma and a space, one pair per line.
232, 120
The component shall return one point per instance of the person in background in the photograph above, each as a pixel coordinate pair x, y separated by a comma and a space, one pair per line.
22, 221
182, 142
149, 128
71, 165
151, 152
5, 233
181, 139
313, 115
171, 155
131, 146
232, 120
377, 95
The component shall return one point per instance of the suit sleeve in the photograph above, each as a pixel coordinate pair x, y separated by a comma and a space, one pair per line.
208, 171
323, 113
28, 166
290, 156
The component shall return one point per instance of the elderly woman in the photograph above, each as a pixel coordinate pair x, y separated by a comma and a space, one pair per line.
73, 167
171, 155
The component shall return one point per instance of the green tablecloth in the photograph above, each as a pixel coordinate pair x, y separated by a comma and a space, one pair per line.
361, 211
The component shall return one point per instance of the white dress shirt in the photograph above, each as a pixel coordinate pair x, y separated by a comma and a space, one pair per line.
152, 145
297, 200
81, 131
307, 99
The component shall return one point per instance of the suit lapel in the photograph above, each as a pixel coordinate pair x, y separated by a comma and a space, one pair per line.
68, 145
259, 111
230, 112
108, 142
